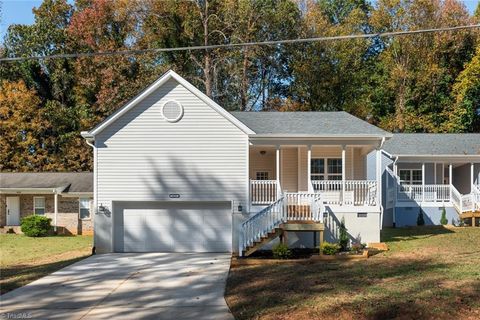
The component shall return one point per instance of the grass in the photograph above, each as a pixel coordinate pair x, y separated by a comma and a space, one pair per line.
24, 259
428, 273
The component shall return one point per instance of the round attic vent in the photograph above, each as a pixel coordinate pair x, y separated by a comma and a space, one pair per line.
172, 111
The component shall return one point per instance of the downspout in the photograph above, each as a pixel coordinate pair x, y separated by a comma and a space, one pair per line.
395, 192
379, 182
91, 143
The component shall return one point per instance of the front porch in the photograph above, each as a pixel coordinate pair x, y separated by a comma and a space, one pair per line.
336, 173
434, 184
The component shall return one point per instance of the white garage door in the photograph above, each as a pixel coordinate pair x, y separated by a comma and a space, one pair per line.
172, 227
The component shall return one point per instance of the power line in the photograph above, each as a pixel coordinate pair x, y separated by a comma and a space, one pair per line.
241, 45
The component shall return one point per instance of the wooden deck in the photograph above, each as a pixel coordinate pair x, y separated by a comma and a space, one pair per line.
472, 216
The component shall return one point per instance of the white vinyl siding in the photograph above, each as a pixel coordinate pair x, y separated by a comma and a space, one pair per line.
143, 157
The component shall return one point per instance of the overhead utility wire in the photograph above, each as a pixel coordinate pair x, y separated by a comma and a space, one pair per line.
240, 45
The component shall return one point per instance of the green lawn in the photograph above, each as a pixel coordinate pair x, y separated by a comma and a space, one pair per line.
24, 259
429, 273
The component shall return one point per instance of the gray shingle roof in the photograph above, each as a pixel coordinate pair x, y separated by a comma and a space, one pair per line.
68, 181
307, 123
433, 144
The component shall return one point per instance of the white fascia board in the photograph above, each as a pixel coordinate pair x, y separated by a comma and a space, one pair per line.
437, 158
163, 79
316, 137
28, 190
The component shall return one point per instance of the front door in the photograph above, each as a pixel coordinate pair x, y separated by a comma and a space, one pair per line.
13, 211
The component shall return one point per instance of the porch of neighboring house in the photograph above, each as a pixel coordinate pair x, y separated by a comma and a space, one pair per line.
305, 187
435, 184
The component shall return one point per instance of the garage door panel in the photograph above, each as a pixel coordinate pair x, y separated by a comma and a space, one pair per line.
172, 227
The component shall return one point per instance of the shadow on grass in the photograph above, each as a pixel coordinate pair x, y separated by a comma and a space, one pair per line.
406, 289
411, 233
17, 276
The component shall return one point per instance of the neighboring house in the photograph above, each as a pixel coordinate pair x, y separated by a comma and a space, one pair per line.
429, 172
174, 171
65, 197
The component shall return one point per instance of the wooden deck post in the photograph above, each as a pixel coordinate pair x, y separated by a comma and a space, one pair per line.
321, 242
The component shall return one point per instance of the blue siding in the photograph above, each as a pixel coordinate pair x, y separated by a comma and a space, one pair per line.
407, 216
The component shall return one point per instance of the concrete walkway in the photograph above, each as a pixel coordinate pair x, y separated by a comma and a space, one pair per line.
127, 286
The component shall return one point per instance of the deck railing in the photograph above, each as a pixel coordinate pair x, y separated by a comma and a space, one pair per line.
265, 221
462, 203
426, 193
476, 196
264, 191
357, 192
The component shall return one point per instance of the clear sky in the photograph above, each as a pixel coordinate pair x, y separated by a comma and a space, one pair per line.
20, 12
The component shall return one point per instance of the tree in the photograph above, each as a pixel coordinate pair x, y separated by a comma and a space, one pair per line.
24, 133
420, 219
464, 114
343, 237
443, 219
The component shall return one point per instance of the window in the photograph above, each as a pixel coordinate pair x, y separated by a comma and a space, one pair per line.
410, 176
262, 175
333, 170
39, 205
84, 208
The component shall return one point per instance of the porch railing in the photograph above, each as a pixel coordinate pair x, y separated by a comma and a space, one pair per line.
264, 191
278, 212
357, 192
462, 203
476, 196
426, 193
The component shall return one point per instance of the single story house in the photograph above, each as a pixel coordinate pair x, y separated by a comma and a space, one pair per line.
174, 171
65, 197
430, 173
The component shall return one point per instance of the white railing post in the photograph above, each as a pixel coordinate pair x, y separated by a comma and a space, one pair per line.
450, 178
277, 168
471, 177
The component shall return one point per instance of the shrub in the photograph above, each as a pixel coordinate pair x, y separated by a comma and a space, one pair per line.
281, 251
343, 238
420, 220
443, 219
330, 248
36, 226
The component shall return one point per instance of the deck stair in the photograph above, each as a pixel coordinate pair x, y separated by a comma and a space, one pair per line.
289, 212
470, 216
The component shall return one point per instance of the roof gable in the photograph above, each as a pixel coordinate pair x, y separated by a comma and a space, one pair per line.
150, 89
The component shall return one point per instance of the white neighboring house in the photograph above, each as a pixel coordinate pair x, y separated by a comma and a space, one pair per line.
175, 172
429, 172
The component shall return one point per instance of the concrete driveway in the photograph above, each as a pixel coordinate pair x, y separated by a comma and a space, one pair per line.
127, 286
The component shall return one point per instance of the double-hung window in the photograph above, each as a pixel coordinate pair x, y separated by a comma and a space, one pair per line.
331, 171
410, 176
84, 204
39, 205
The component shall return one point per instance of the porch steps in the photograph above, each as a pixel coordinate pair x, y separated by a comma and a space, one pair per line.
470, 215
264, 240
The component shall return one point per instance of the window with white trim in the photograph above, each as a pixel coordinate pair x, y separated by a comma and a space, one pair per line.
262, 175
39, 205
84, 204
332, 171
410, 176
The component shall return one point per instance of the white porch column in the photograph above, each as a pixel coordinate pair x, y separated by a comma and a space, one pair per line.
277, 169
472, 170
378, 171
450, 179
343, 172
309, 169
423, 181
435, 172
55, 210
